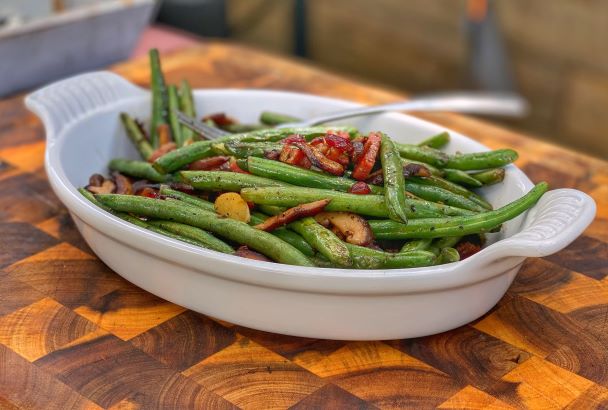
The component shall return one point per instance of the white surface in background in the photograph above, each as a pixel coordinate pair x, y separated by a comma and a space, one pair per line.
76, 40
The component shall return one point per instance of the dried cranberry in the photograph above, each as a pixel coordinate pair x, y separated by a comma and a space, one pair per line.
220, 119
293, 139
360, 188
340, 143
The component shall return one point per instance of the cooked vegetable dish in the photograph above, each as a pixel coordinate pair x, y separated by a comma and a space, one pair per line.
325, 196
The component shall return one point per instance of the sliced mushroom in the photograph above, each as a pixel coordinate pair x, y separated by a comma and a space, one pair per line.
245, 252
123, 184
351, 226
290, 215
142, 184
415, 170
107, 187
96, 180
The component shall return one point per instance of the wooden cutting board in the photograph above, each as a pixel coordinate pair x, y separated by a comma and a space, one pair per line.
75, 335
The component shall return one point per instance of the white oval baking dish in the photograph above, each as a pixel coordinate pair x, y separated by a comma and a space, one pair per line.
83, 131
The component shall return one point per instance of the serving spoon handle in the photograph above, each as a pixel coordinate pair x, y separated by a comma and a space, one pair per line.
486, 103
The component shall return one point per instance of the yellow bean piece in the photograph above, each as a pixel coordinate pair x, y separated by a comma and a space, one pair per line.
231, 205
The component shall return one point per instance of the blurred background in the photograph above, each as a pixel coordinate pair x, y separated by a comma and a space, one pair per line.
553, 53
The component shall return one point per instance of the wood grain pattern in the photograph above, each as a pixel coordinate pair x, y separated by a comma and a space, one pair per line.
20, 240
472, 398
75, 335
127, 313
62, 227
331, 396
15, 294
538, 384
184, 340
69, 275
24, 386
466, 354
382, 375
252, 377
30, 199
41, 328
109, 370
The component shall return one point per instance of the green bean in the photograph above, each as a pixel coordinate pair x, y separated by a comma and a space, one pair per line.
370, 205
452, 187
89, 195
137, 169
186, 105
424, 154
189, 199
437, 194
445, 242
160, 104
176, 127
271, 209
417, 245
151, 227
436, 141
143, 224
226, 181
434, 171
460, 177
183, 156
273, 118
394, 182
482, 160
175, 236
136, 221
240, 149
285, 234
240, 128
176, 159
366, 258
242, 163
299, 176
231, 229
323, 240
457, 226
136, 136
447, 255
209, 241
146, 224
126, 217
277, 134
322, 262
489, 177
290, 237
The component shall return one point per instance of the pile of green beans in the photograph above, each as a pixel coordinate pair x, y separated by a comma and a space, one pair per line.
429, 214
417, 207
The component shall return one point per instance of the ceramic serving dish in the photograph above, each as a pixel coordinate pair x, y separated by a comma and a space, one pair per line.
83, 131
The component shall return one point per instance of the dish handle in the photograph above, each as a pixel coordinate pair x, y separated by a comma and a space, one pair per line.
558, 218
63, 102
